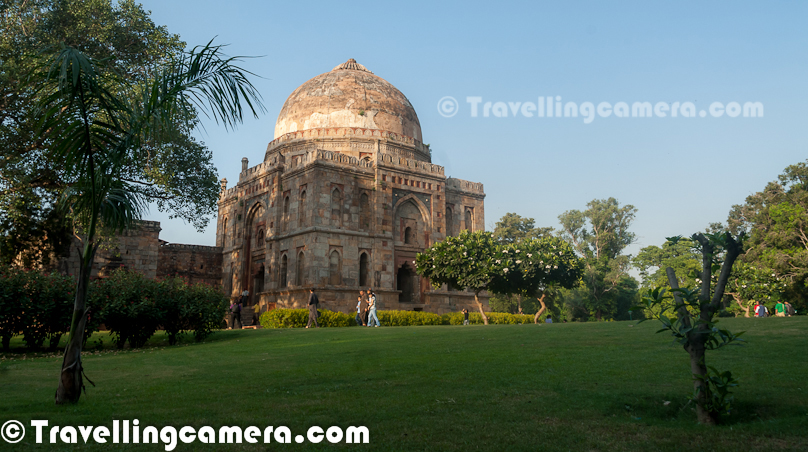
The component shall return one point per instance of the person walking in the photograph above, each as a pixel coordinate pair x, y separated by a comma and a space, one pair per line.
372, 318
465, 316
359, 309
365, 312
314, 303
780, 309
235, 314
757, 310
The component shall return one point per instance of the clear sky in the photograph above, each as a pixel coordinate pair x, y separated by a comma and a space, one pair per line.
680, 173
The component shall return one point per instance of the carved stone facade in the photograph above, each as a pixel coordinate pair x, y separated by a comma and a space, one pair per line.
345, 198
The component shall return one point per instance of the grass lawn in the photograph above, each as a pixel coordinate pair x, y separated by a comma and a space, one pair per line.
579, 387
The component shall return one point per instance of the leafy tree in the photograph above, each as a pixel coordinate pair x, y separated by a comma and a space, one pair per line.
600, 234
539, 267
95, 133
682, 256
513, 228
477, 261
776, 220
748, 284
470, 260
127, 45
694, 327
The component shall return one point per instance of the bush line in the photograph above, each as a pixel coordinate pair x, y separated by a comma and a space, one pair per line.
298, 318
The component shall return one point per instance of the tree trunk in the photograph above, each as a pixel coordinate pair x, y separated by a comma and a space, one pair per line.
698, 368
70, 380
543, 308
697, 336
738, 300
480, 307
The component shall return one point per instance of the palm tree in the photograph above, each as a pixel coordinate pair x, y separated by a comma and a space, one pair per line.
95, 123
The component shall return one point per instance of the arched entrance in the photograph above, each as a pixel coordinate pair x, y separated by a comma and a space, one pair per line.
410, 237
258, 283
405, 282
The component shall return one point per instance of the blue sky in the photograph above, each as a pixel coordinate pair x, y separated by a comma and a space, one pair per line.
680, 173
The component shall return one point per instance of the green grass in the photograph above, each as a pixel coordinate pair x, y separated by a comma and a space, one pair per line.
590, 387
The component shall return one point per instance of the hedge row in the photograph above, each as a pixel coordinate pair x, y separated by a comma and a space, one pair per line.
298, 318
494, 318
132, 307
37, 305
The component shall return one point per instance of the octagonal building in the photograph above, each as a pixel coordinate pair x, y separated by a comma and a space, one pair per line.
345, 198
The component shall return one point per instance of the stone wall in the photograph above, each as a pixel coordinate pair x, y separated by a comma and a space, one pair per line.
141, 250
136, 249
193, 263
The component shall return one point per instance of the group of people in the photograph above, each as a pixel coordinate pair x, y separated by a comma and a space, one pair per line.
781, 309
366, 309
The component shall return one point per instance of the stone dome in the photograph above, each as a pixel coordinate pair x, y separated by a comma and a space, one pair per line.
348, 96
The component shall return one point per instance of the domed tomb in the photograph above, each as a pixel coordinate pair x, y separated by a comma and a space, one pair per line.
348, 96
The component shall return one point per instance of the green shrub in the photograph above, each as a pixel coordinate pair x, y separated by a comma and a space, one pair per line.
134, 307
408, 318
35, 304
13, 300
50, 308
130, 310
298, 318
503, 318
494, 318
183, 307
207, 306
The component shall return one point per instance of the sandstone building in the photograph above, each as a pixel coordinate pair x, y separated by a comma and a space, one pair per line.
345, 197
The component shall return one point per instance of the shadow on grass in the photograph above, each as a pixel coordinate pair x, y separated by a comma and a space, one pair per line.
653, 410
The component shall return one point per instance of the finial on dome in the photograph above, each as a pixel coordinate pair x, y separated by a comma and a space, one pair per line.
351, 65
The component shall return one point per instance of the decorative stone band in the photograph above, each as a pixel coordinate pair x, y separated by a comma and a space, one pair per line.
310, 156
343, 132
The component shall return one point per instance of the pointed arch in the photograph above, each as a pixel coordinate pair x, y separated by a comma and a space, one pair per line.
364, 264
336, 207
259, 238
284, 271
301, 210
411, 221
334, 268
418, 203
224, 233
301, 269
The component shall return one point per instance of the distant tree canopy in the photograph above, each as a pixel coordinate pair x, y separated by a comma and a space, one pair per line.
177, 174
682, 256
600, 234
776, 223
512, 228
